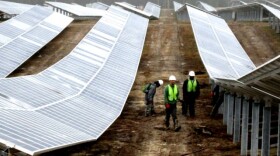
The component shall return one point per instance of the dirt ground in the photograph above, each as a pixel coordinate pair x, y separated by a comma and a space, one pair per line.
169, 49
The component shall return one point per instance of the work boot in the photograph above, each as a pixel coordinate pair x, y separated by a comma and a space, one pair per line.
177, 126
153, 113
147, 113
166, 124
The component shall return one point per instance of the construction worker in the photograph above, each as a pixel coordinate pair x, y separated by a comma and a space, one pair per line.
171, 96
215, 94
150, 91
191, 91
218, 102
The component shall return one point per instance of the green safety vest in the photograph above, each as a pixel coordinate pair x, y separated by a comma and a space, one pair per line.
172, 94
192, 85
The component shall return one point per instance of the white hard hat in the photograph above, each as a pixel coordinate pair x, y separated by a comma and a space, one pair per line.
172, 77
160, 82
191, 73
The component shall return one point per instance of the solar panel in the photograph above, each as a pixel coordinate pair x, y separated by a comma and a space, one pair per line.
98, 5
177, 6
76, 9
14, 27
12, 8
25, 34
219, 49
128, 4
250, 6
152, 8
83, 117
275, 12
134, 9
226, 61
265, 78
206, 6
237, 2
273, 4
71, 73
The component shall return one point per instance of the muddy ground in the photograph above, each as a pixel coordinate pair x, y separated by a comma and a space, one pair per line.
169, 49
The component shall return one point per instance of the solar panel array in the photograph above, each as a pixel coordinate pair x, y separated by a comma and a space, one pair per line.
128, 4
275, 12
177, 6
250, 6
133, 9
98, 5
272, 4
227, 63
24, 35
237, 2
12, 8
221, 53
253, 12
76, 9
152, 8
265, 78
85, 116
206, 7
71, 74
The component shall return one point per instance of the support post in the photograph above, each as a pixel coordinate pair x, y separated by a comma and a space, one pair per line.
269, 19
278, 26
221, 108
266, 128
237, 114
274, 22
278, 142
255, 127
225, 114
230, 114
261, 14
244, 133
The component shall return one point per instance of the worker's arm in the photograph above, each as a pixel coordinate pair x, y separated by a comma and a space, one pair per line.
178, 93
166, 94
184, 89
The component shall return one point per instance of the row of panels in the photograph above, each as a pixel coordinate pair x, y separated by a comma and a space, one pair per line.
85, 116
70, 75
219, 49
224, 58
25, 34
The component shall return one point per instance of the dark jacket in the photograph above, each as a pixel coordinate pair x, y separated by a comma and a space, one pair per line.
187, 94
149, 96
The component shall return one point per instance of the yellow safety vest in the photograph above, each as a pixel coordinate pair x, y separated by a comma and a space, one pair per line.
192, 85
172, 94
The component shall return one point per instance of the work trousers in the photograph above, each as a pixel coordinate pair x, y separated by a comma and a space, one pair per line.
218, 103
215, 99
170, 111
149, 108
189, 105
184, 107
